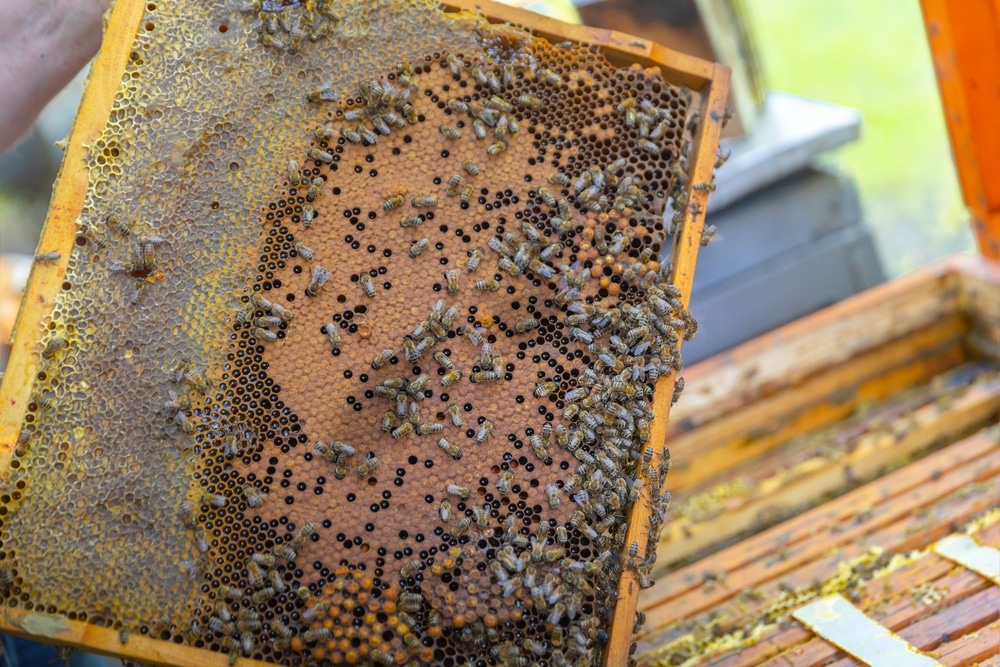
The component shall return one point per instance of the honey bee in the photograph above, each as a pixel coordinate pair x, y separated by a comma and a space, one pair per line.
450, 132
541, 451
444, 509
367, 134
388, 421
479, 128
547, 75
503, 484
304, 251
527, 101
411, 569
393, 201
281, 631
453, 450
53, 345
411, 221
458, 105
452, 276
454, 185
47, 257
461, 491
454, 63
322, 156
443, 360
253, 497
456, 414
267, 321
314, 635
184, 423
496, 148
424, 201
263, 595
381, 657
352, 135
547, 197
475, 257
369, 466
264, 559
471, 167
324, 94
552, 491
647, 146
417, 386
366, 283
559, 178
320, 276
451, 377
333, 335
543, 389
315, 189
231, 593
486, 285
308, 215
462, 527
708, 186
304, 533
678, 388
382, 358
484, 432
480, 377
523, 326
429, 429
418, 247
284, 551
303, 594
317, 610
381, 124
404, 429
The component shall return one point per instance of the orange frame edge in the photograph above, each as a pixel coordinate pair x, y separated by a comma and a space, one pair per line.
964, 38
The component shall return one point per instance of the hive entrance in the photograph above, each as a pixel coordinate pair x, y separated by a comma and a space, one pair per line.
415, 431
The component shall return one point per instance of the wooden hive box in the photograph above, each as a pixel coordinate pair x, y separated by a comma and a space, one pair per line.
207, 456
832, 456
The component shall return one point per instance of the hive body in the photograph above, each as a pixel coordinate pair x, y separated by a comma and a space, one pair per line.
324, 360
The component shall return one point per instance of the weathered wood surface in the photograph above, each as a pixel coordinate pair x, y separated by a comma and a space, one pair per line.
784, 358
763, 577
808, 470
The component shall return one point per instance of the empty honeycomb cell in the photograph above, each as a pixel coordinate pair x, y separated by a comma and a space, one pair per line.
356, 363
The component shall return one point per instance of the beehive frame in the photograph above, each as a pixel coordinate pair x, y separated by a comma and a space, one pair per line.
61, 233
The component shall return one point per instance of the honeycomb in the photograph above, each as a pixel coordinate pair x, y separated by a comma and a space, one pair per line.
354, 357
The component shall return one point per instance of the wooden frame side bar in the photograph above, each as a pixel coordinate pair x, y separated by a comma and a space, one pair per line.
788, 355
59, 232
684, 256
965, 42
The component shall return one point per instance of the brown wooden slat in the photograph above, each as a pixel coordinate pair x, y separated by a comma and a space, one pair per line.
982, 647
786, 356
911, 488
812, 404
868, 455
959, 509
928, 568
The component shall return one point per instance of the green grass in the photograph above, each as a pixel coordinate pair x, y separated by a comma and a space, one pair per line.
873, 56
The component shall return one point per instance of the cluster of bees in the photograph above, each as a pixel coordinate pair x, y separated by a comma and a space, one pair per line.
286, 25
606, 414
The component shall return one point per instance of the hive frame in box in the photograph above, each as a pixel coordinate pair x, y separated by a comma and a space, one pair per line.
709, 82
